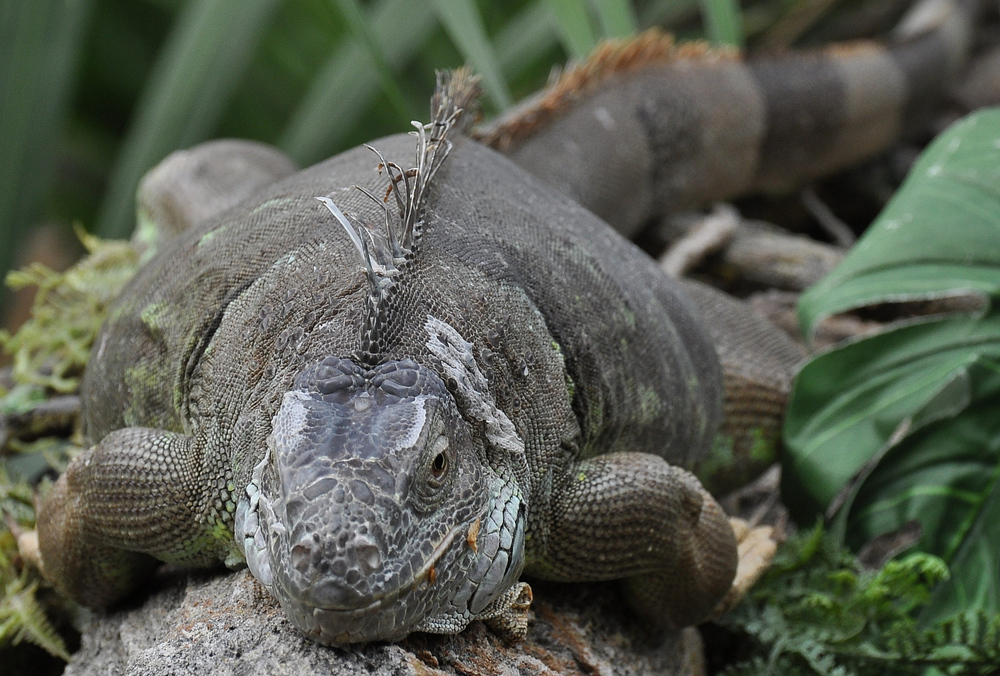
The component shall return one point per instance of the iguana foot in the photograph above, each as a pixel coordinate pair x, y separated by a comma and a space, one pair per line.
755, 548
511, 619
636, 518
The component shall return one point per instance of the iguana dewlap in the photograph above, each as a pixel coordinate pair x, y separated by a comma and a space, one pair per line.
389, 411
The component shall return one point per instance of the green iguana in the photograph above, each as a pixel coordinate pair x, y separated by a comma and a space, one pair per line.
389, 385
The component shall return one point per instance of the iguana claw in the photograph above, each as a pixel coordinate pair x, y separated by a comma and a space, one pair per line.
756, 548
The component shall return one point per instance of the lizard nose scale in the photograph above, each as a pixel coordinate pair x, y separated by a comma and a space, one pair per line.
336, 547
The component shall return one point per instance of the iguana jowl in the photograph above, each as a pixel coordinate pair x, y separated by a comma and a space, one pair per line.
388, 412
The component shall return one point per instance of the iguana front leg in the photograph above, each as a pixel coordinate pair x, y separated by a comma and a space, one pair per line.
633, 516
127, 499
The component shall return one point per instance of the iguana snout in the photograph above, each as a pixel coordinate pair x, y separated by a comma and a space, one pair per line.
363, 520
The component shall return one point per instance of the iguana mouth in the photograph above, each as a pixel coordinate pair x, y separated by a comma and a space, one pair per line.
384, 599
426, 571
342, 626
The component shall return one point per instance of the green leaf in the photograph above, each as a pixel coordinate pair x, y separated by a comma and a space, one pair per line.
904, 425
345, 86
849, 402
575, 31
51, 348
40, 51
946, 476
204, 59
939, 236
464, 24
23, 619
723, 22
817, 611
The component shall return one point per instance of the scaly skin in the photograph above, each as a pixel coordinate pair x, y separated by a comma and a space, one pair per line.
389, 449
644, 127
389, 429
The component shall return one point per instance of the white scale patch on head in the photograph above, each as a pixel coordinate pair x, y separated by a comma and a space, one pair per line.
458, 362
415, 414
291, 417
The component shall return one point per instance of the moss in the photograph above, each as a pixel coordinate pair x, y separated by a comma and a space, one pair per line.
51, 349
49, 353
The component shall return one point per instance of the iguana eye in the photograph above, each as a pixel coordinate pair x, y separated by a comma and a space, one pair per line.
439, 466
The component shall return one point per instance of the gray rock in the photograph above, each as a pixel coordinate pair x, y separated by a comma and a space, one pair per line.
226, 624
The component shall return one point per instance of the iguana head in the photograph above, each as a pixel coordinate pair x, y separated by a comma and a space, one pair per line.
374, 513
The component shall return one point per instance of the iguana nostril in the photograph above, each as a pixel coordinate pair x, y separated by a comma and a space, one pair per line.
301, 556
368, 557
305, 550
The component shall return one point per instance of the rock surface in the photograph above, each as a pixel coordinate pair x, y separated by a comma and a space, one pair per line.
226, 624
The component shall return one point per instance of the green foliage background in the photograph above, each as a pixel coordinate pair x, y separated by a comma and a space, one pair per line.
95, 92
905, 425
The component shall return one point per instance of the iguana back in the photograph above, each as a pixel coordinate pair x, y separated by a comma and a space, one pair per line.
242, 302
276, 384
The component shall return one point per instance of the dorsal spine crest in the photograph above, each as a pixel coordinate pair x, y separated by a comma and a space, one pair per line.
385, 257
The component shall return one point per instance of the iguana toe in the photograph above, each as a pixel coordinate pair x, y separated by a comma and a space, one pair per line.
755, 549
511, 620
27, 547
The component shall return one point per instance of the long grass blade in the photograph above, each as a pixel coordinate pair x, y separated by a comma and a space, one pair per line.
667, 13
206, 54
723, 22
464, 24
526, 37
346, 85
39, 53
617, 18
573, 19
360, 27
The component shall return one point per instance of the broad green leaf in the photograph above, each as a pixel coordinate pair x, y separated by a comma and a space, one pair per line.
974, 581
617, 18
847, 403
946, 476
723, 22
573, 20
39, 54
346, 85
905, 425
465, 28
204, 59
940, 234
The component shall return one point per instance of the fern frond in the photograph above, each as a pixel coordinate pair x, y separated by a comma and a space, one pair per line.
22, 618
51, 348
818, 612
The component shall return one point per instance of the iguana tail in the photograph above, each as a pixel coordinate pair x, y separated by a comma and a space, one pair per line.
645, 127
